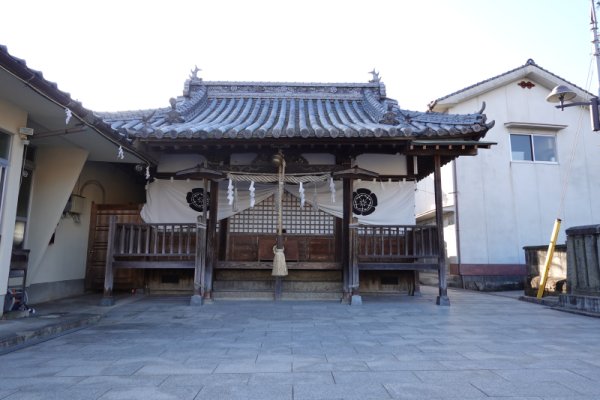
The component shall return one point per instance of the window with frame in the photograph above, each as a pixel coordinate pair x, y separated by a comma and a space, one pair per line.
534, 148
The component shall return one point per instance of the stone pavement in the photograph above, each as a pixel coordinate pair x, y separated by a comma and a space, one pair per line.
484, 346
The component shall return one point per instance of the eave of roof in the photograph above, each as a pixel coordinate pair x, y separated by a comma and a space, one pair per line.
49, 90
529, 69
273, 110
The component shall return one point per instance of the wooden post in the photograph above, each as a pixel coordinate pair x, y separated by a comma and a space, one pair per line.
212, 241
108, 298
442, 298
353, 275
416, 291
199, 263
346, 219
279, 240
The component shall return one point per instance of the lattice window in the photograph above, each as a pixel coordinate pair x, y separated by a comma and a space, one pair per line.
296, 220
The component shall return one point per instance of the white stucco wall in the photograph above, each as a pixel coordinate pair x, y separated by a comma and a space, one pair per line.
56, 172
98, 182
118, 186
504, 205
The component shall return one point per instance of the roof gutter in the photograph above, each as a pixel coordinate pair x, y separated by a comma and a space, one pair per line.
36, 82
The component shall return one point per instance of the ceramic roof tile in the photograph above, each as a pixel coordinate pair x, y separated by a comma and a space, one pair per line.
246, 110
529, 63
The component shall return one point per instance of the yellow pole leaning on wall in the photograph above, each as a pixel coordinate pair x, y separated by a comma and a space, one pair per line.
549, 255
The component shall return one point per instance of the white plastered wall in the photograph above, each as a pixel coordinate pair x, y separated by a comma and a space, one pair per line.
55, 175
504, 205
64, 261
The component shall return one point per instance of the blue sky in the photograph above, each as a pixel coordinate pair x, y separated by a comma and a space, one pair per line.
122, 55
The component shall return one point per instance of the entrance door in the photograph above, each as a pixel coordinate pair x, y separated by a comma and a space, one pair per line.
97, 244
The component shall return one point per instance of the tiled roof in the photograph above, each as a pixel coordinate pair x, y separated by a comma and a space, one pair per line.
49, 90
250, 110
524, 69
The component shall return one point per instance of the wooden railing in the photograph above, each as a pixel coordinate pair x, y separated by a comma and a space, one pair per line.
134, 245
151, 246
399, 242
155, 240
395, 247
374, 243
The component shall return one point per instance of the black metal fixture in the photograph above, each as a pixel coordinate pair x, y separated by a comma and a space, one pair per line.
561, 94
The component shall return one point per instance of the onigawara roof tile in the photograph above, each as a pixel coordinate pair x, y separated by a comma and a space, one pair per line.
254, 110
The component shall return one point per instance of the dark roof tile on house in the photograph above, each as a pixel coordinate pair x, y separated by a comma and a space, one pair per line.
251, 110
522, 70
35, 80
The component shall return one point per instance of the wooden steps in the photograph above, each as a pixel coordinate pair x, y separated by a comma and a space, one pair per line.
260, 285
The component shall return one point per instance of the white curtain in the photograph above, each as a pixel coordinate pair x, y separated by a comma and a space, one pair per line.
395, 200
166, 200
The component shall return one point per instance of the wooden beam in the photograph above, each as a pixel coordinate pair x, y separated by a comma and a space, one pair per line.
454, 152
307, 265
156, 264
397, 266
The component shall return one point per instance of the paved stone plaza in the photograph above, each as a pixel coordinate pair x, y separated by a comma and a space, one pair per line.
482, 347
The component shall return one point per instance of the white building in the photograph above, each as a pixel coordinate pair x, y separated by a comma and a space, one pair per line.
56, 159
545, 166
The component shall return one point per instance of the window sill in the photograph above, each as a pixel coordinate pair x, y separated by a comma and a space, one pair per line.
534, 162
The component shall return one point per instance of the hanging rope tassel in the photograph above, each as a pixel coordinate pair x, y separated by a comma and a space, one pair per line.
279, 264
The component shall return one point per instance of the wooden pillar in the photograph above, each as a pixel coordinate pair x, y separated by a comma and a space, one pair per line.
442, 298
346, 220
107, 297
353, 276
212, 240
416, 291
199, 262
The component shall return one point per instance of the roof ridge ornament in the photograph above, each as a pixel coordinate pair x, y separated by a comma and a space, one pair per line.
376, 78
147, 128
389, 117
173, 115
194, 74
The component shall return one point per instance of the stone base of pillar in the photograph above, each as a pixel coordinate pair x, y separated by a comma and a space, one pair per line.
107, 301
356, 300
442, 301
196, 300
